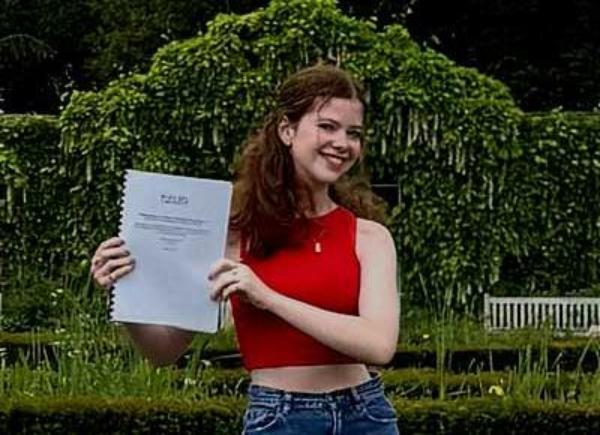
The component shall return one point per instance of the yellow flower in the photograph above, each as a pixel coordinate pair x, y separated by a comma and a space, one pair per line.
497, 390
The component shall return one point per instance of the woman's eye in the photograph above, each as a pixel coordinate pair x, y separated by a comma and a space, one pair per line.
356, 135
326, 127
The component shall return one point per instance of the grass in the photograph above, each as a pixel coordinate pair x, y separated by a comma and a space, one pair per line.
93, 358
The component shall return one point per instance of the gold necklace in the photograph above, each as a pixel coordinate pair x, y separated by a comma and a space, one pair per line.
317, 241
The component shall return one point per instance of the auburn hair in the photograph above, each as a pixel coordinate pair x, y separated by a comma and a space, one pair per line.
266, 194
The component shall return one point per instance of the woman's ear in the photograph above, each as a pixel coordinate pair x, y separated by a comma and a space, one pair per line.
285, 131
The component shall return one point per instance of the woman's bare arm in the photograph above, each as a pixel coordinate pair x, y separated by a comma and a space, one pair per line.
372, 335
161, 345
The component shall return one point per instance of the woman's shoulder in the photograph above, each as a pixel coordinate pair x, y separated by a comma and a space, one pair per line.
371, 228
371, 235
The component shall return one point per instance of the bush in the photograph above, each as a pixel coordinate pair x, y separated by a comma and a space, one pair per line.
443, 132
31, 194
224, 415
482, 203
556, 199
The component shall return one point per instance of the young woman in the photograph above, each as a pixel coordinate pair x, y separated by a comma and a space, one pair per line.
312, 286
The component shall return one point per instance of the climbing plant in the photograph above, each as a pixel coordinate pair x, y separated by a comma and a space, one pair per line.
451, 138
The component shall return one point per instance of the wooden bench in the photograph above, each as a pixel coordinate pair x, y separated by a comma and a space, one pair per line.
578, 315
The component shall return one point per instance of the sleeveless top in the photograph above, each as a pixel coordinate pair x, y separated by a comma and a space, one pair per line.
329, 279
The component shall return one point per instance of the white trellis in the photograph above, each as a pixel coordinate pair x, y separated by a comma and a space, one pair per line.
578, 315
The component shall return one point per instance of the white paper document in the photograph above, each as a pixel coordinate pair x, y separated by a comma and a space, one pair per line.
175, 228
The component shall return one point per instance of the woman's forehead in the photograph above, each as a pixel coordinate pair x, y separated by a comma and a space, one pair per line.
343, 110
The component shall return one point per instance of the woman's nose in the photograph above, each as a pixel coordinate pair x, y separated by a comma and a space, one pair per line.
341, 141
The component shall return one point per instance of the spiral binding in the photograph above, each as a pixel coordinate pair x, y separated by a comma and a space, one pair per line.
111, 292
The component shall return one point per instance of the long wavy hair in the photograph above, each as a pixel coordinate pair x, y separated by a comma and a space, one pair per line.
267, 195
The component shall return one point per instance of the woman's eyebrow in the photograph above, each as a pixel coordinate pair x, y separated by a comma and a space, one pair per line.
359, 126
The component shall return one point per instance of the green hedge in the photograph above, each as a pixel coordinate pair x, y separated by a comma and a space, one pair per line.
31, 196
95, 415
490, 198
223, 416
481, 416
442, 131
556, 191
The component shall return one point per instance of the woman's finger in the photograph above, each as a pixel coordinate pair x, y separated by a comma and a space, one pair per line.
112, 270
224, 280
102, 257
106, 254
107, 281
121, 271
114, 263
229, 290
111, 243
221, 266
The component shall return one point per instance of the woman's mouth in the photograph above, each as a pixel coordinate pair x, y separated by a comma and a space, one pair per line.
334, 159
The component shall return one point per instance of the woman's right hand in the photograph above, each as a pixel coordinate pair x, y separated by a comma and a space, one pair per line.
110, 262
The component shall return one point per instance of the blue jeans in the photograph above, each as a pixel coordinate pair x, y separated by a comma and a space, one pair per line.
358, 410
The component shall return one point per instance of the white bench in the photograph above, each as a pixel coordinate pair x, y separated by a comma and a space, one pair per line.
578, 315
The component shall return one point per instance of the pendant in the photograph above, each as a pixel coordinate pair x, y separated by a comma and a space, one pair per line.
318, 247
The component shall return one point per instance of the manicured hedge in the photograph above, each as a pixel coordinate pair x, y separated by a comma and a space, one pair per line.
96, 415
92, 415
483, 416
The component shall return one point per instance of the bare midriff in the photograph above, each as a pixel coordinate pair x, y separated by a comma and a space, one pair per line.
311, 379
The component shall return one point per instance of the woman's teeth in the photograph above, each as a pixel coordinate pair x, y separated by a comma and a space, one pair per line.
333, 159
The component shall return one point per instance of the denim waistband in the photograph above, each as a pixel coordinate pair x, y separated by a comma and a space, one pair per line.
358, 393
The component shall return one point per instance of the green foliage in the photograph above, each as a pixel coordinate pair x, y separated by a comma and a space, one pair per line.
51, 45
423, 383
485, 416
31, 197
101, 415
128, 33
219, 350
555, 198
40, 52
470, 167
443, 132
30, 307
32, 301
223, 415
446, 135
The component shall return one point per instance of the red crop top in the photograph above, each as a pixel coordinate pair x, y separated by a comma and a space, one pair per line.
329, 279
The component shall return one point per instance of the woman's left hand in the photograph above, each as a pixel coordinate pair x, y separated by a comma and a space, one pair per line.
227, 276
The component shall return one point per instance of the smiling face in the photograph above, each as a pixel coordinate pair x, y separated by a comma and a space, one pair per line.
326, 141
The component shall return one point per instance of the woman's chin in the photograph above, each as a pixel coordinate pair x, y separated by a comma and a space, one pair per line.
323, 177
330, 178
